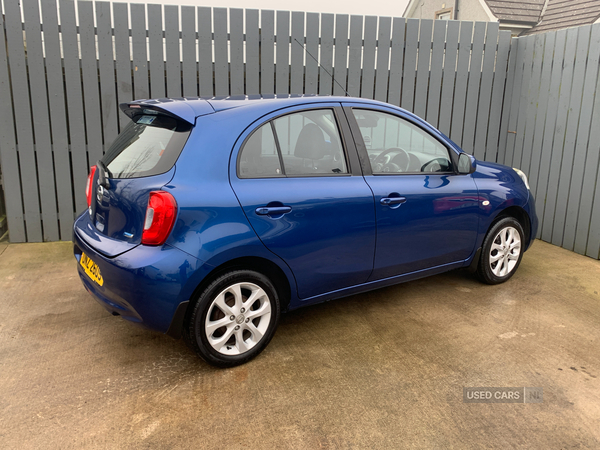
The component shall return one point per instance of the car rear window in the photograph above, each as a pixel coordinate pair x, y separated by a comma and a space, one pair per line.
149, 145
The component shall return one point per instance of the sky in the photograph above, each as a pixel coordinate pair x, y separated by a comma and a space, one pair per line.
363, 8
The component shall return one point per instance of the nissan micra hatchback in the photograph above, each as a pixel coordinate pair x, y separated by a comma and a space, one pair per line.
208, 218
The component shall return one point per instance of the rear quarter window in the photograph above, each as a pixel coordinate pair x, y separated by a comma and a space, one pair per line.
149, 145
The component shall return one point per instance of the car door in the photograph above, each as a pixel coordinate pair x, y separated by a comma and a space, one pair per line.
302, 189
427, 214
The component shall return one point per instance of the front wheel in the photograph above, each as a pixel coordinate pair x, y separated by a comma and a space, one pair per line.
502, 251
234, 318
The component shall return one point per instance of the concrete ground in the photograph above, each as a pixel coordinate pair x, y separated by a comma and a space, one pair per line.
384, 369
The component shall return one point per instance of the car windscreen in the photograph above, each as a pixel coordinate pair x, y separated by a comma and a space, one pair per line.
149, 145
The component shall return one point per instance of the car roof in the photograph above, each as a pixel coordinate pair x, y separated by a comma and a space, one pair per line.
188, 108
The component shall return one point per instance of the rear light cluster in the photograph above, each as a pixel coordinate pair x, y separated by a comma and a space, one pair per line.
160, 217
88, 186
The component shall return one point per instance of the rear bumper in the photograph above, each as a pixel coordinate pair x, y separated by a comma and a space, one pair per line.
145, 285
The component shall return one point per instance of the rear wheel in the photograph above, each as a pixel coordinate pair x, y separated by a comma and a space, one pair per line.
502, 251
234, 318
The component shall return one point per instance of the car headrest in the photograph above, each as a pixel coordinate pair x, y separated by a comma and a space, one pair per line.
311, 143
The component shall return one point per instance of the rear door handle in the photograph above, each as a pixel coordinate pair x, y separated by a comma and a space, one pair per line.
273, 210
387, 201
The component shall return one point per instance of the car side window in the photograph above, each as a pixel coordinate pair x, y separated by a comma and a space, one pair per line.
259, 157
305, 143
310, 143
396, 145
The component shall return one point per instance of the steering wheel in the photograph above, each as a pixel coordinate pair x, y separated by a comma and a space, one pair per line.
435, 165
383, 164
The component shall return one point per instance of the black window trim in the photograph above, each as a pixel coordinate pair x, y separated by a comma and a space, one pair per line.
342, 133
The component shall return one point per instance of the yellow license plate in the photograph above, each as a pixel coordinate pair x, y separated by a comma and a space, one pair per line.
91, 269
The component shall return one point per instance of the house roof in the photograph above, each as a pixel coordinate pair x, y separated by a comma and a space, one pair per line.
540, 15
522, 11
567, 13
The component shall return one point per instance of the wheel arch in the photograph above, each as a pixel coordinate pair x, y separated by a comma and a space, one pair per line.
255, 263
258, 264
514, 211
519, 214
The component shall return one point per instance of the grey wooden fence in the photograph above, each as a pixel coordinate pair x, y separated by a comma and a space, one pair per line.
552, 131
65, 68
59, 94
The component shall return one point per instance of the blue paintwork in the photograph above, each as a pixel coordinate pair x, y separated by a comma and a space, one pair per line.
119, 212
503, 188
328, 239
337, 240
436, 225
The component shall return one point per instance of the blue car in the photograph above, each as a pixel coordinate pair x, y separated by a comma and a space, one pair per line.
209, 218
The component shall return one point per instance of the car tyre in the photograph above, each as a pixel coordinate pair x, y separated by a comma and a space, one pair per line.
502, 251
233, 319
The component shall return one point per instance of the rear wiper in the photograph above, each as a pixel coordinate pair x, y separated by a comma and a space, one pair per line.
103, 173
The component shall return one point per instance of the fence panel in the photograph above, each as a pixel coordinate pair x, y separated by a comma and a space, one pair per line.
106, 63
473, 86
282, 55
449, 77
423, 66
41, 121
297, 53
155, 44
8, 150
541, 112
570, 135
236, 20
188, 51
60, 139
205, 51
354, 55
410, 62
533, 99
485, 91
220, 48
89, 72
588, 150
139, 51
369, 50
396, 62
462, 76
326, 55
437, 65
559, 134
341, 54
383, 58
22, 119
122, 56
557, 113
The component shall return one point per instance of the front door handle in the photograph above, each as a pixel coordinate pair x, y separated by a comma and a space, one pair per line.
389, 201
273, 210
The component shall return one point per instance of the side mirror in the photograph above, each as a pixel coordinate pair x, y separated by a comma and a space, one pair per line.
466, 164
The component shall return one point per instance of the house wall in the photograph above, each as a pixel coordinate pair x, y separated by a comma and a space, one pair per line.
426, 9
467, 10
472, 10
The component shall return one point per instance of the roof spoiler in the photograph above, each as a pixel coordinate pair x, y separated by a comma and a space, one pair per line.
186, 109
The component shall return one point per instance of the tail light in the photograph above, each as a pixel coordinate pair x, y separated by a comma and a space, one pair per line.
88, 186
160, 217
